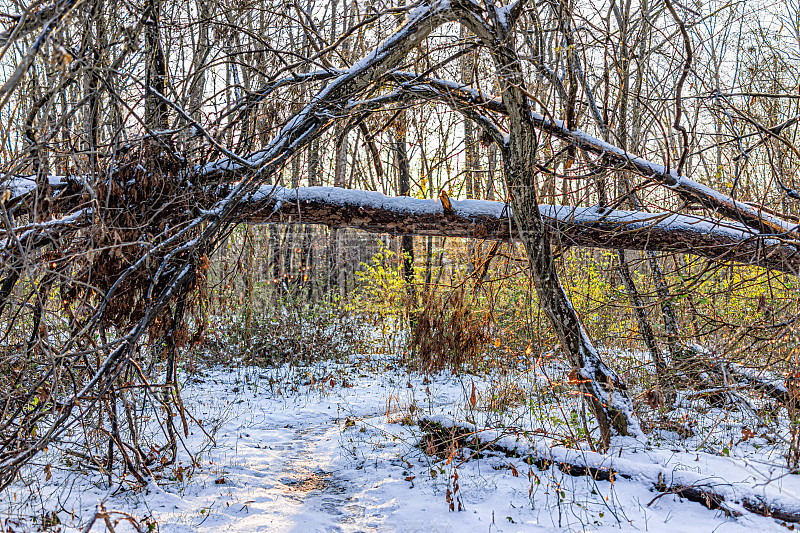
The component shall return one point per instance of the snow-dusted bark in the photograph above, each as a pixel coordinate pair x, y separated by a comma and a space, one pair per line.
473, 102
482, 219
710, 489
716, 240
477, 103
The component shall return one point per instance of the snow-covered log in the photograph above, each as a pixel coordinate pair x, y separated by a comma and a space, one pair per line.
693, 191
745, 214
581, 226
709, 490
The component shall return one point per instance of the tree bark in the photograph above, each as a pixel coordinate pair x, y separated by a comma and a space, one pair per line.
156, 110
404, 189
445, 433
752, 216
569, 226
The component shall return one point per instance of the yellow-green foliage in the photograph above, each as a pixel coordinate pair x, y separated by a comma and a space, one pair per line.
724, 306
743, 295
597, 293
714, 305
381, 287
381, 298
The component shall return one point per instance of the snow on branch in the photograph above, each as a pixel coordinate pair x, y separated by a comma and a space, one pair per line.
687, 188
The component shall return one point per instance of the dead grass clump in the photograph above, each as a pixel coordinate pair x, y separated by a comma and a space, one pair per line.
448, 333
398, 412
504, 397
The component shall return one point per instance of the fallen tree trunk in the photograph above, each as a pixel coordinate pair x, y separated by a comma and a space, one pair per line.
442, 434
482, 219
716, 240
720, 373
750, 216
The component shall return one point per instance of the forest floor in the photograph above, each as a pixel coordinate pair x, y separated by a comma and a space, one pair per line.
335, 447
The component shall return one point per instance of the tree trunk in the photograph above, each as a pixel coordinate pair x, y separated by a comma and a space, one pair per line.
570, 226
603, 389
491, 171
155, 109
404, 188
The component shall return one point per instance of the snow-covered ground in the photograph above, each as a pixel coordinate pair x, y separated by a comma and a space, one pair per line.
330, 448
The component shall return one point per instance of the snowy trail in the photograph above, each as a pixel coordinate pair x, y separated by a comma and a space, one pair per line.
309, 487
313, 483
339, 458
314, 461
293, 465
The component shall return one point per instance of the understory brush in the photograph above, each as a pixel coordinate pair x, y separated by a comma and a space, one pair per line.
480, 353
492, 331
292, 333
